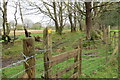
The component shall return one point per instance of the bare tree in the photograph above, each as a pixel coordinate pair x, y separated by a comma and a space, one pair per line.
6, 28
15, 19
70, 16
80, 14
90, 14
27, 34
74, 15
58, 19
54, 10
88, 19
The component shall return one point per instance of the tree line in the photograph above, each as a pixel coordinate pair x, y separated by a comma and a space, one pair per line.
95, 15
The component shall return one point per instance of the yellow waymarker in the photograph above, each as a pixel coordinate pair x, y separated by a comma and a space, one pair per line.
49, 31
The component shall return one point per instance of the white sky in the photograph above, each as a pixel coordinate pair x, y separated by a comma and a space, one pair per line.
34, 18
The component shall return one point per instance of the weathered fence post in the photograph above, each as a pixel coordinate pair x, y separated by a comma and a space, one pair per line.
47, 56
115, 38
28, 51
118, 52
76, 60
107, 44
105, 35
80, 58
109, 40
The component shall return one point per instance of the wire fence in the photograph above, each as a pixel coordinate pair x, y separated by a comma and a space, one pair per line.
30, 68
42, 71
24, 60
87, 64
99, 60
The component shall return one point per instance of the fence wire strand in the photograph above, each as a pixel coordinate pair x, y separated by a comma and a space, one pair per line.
43, 52
24, 60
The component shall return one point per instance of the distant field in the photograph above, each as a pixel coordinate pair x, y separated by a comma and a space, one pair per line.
20, 32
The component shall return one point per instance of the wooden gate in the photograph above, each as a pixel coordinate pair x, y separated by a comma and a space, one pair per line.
50, 61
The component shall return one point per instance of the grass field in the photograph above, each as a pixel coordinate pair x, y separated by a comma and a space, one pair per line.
93, 62
19, 32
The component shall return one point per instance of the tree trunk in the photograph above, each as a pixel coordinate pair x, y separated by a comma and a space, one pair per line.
15, 18
88, 19
6, 29
60, 31
75, 18
4, 24
70, 17
80, 26
21, 15
60, 19
4, 17
14, 34
55, 15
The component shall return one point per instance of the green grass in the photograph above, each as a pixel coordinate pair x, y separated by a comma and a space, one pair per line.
114, 30
11, 49
10, 72
91, 68
33, 34
107, 71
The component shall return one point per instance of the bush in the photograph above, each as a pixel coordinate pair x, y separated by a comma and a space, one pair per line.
96, 34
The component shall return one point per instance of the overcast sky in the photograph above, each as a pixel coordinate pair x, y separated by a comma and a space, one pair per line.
33, 18
44, 20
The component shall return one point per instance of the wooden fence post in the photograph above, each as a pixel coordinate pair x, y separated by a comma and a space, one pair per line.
80, 58
115, 39
118, 52
28, 51
76, 60
47, 56
108, 33
107, 42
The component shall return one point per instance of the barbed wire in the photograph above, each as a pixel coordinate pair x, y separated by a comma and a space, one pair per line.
33, 66
24, 60
49, 70
30, 68
13, 64
45, 72
61, 68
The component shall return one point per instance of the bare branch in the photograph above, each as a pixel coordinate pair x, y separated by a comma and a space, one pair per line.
49, 11
1, 9
21, 14
79, 9
101, 5
47, 4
